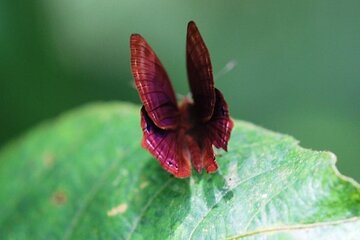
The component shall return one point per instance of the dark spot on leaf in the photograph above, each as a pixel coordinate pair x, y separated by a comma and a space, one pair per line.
59, 198
229, 195
158, 213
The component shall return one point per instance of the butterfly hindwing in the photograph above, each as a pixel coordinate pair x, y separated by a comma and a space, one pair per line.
166, 146
220, 125
215, 132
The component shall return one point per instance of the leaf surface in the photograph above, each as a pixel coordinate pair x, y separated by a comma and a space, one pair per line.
84, 175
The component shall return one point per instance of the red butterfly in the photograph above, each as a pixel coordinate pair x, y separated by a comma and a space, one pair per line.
179, 134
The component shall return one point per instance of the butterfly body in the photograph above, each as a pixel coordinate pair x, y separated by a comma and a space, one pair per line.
179, 135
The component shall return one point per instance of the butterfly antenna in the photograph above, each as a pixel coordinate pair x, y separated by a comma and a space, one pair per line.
229, 66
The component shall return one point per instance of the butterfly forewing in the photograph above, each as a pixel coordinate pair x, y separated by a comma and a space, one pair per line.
200, 74
153, 84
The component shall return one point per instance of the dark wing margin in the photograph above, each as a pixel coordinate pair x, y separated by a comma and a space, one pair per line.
200, 74
153, 84
165, 146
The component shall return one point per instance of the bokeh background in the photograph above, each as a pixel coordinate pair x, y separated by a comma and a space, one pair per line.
297, 63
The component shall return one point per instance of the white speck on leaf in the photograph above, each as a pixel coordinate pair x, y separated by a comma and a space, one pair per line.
117, 210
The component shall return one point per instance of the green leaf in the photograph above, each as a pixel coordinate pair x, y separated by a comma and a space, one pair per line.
85, 176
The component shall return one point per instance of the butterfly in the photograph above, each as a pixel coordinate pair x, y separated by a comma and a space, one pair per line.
180, 135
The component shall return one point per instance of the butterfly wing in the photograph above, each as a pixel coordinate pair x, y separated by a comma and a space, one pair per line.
215, 132
210, 105
200, 74
153, 84
166, 146
220, 125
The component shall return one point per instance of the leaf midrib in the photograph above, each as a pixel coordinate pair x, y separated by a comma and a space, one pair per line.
285, 228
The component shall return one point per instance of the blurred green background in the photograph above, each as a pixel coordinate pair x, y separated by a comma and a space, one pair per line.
297, 62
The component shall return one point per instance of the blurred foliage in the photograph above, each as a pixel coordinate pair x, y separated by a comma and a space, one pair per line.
297, 66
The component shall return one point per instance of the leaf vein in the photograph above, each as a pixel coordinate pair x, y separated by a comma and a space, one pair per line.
91, 195
227, 191
147, 205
